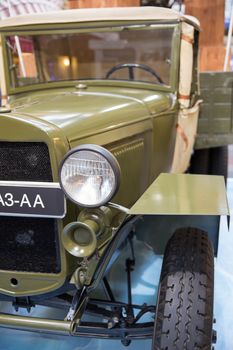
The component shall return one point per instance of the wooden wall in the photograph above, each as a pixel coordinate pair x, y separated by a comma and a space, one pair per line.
102, 3
211, 15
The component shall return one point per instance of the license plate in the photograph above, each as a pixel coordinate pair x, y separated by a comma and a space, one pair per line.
36, 199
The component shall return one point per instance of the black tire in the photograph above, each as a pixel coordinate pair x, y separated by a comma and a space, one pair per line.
210, 161
184, 315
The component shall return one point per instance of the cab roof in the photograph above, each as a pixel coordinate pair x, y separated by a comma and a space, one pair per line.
97, 15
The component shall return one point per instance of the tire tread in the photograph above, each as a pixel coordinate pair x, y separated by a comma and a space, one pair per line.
185, 300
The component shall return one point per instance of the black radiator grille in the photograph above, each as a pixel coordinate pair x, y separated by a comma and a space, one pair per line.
25, 161
27, 244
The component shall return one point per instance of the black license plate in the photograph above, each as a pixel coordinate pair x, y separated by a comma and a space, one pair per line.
35, 199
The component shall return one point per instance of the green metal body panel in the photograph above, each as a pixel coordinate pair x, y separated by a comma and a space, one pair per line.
174, 201
181, 194
215, 125
37, 324
96, 109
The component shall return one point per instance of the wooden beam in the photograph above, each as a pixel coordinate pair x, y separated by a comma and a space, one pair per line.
102, 3
211, 16
211, 58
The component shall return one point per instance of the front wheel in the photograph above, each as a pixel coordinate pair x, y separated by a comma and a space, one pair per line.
184, 316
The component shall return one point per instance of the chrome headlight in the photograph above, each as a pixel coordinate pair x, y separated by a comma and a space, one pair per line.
89, 175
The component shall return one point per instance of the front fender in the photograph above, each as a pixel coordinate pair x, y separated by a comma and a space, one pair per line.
180, 200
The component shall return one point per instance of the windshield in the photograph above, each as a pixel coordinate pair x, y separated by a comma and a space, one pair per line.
124, 54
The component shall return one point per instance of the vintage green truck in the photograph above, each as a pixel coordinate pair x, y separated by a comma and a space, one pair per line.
98, 124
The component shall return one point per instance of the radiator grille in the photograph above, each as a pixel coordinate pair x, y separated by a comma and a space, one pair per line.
27, 244
25, 161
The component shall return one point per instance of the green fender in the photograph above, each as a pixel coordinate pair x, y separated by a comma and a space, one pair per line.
180, 200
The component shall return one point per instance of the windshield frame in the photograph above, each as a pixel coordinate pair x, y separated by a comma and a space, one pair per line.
174, 68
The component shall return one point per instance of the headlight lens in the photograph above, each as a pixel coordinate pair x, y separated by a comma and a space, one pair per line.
90, 175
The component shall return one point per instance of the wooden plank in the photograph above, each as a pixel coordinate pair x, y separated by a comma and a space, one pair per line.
211, 16
101, 3
212, 58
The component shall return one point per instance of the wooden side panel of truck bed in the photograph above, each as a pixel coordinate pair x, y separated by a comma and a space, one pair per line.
215, 125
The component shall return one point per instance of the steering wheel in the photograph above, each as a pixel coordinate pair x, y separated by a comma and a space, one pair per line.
131, 67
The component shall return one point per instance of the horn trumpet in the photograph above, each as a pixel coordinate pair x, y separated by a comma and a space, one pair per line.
79, 238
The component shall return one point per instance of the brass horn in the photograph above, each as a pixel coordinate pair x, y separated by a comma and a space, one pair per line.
79, 238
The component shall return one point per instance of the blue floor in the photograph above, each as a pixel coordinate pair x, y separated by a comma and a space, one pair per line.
143, 290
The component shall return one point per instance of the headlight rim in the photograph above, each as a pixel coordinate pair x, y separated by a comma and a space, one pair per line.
110, 158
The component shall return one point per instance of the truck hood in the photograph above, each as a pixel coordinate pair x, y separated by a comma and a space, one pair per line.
81, 113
